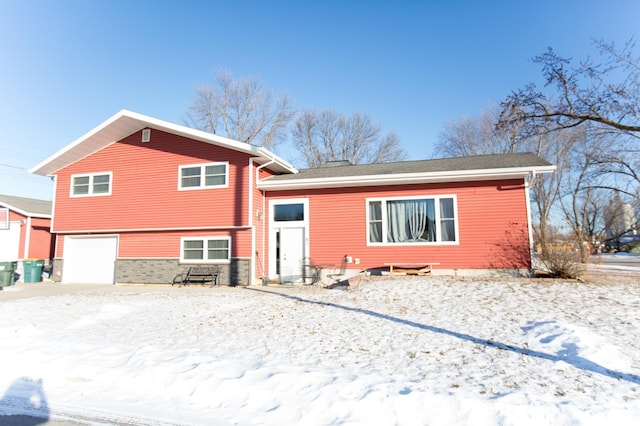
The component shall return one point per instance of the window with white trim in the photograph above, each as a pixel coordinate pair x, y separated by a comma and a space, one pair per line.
201, 176
89, 185
205, 249
423, 220
4, 218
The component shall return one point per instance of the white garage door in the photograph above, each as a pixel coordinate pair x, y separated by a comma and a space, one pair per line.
90, 260
10, 242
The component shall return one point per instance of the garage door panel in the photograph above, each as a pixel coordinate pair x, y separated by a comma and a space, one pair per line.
90, 260
10, 242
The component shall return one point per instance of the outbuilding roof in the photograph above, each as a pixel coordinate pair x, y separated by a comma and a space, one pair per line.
27, 206
479, 167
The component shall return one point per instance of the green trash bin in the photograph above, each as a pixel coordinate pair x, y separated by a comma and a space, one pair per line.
7, 273
33, 270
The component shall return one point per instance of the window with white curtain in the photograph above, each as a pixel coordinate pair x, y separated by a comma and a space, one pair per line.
412, 220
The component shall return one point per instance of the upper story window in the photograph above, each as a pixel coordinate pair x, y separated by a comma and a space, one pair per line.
412, 220
89, 185
200, 176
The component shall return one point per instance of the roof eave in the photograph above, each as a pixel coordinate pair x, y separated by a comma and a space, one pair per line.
24, 212
284, 166
404, 178
126, 122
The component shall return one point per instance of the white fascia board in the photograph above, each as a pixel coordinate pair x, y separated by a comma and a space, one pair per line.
404, 178
24, 212
123, 124
44, 167
281, 162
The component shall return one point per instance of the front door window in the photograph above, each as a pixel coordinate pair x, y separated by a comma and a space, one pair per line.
289, 241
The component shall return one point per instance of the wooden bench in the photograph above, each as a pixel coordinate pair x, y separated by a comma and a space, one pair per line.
411, 268
198, 275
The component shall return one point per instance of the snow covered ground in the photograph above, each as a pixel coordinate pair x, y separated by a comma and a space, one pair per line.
407, 351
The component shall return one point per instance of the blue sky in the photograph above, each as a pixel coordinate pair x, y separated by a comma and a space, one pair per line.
68, 65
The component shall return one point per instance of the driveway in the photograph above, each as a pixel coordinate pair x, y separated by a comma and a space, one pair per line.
48, 288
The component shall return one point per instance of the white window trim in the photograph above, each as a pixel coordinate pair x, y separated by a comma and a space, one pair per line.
436, 199
204, 240
202, 176
4, 224
91, 176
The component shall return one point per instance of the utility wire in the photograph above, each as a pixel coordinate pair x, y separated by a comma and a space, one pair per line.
12, 166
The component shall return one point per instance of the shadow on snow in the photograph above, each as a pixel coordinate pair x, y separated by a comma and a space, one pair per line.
25, 403
567, 356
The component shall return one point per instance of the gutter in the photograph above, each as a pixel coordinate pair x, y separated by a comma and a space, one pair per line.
403, 178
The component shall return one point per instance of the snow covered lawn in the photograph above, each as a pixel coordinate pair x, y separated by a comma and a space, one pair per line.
408, 351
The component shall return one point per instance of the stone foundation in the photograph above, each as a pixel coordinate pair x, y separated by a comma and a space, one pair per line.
162, 271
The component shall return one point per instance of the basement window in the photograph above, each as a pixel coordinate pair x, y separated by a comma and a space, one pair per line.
205, 250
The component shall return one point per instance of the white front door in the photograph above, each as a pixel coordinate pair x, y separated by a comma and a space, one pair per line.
90, 259
291, 254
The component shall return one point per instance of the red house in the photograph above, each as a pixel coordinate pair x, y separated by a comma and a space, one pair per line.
25, 229
138, 199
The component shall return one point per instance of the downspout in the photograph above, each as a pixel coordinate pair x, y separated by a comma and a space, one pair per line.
252, 266
263, 265
528, 182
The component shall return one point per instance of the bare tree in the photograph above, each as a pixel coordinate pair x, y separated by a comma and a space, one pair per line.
240, 109
326, 136
583, 191
481, 135
477, 136
546, 188
604, 93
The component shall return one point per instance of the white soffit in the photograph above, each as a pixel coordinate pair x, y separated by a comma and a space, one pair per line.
123, 124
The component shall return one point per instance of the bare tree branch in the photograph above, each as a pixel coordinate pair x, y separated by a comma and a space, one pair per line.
240, 109
605, 93
329, 136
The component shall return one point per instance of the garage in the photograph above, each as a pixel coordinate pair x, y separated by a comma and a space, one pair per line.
90, 260
10, 242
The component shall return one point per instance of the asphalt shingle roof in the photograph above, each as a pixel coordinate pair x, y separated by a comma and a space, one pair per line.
477, 162
27, 205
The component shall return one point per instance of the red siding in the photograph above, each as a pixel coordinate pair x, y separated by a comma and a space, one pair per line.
167, 244
41, 244
260, 221
492, 215
145, 187
40, 238
17, 217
